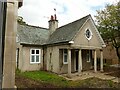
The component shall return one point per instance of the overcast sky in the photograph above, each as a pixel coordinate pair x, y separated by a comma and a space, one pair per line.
38, 12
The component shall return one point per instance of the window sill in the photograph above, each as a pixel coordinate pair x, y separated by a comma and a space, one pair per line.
34, 62
65, 62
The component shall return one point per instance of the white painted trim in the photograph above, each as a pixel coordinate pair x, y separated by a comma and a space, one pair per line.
89, 53
71, 42
90, 35
35, 56
63, 57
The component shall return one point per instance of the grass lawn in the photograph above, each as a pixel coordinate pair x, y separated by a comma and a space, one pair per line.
47, 79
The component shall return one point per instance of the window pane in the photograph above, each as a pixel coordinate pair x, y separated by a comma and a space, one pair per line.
33, 51
65, 58
37, 58
65, 51
37, 51
33, 59
88, 57
88, 33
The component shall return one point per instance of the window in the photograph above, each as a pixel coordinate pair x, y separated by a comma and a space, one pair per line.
88, 55
88, 34
65, 56
35, 55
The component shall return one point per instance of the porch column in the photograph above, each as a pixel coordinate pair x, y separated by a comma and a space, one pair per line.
101, 60
79, 62
69, 63
95, 61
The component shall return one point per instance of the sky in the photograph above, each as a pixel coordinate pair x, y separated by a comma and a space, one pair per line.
38, 12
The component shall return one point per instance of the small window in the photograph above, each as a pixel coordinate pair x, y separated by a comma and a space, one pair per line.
88, 34
35, 55
65, 61
88, 56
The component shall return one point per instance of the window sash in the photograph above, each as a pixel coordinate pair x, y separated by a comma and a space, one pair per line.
65, 56
35, 58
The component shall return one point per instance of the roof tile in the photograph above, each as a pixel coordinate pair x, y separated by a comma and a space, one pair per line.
67, 32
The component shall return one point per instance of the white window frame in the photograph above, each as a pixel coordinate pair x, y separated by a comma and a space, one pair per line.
88, 58
91, 34
64, 56
35, 56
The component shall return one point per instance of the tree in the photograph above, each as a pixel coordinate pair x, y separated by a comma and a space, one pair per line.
108, 23
20, 20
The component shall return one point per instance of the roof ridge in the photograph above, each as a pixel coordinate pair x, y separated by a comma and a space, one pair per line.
33, 26
67, 32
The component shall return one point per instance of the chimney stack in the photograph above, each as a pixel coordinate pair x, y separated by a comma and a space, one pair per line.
53, 23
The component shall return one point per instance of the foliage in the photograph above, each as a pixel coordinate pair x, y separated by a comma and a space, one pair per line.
20, 20
108, 23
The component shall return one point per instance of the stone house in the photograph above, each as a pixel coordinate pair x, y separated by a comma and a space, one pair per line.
64, 49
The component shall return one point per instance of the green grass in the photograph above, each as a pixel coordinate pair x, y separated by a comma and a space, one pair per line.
57, 81
45, 77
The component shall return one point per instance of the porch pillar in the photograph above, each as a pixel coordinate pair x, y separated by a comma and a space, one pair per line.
95, 61
79, 62
69, 63
101, 60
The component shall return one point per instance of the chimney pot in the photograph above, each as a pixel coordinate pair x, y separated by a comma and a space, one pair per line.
55, 17
52, 18
53, 23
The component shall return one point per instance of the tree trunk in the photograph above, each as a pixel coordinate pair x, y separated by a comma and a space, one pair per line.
118, 53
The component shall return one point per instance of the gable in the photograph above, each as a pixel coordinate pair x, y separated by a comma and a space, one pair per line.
80, 39
66, 33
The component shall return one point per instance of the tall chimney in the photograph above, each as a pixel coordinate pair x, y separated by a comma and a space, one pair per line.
53, 23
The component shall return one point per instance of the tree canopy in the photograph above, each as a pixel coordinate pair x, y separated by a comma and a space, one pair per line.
108, 23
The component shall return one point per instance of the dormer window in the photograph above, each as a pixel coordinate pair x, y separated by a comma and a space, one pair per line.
88, 34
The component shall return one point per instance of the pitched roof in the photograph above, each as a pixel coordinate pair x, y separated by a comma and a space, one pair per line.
32, 35
67, 32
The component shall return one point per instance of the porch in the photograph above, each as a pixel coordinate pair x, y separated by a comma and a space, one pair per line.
80, 60
90, 74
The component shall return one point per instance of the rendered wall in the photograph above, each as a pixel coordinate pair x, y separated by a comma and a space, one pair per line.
24, 59
81, 40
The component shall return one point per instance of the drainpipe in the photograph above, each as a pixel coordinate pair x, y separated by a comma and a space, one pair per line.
3, 8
